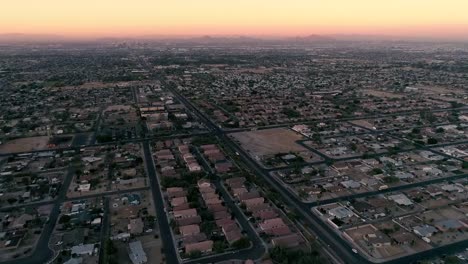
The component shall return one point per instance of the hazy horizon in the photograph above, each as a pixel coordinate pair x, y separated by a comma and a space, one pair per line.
430, 19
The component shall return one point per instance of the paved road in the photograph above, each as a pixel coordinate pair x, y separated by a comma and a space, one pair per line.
158, 199
342, 249
78, 198
105, 224
42, 252
308, 122
135, 140
258, 248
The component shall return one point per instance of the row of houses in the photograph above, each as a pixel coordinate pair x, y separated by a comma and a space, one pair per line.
222, 217
268, 218
216, 158
188, 222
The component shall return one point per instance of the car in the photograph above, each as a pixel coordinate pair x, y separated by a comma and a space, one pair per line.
354, 250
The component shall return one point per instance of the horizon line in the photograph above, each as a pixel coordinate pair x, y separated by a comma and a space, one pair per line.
159, 36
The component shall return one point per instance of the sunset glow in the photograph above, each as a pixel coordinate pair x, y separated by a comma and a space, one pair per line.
237, 17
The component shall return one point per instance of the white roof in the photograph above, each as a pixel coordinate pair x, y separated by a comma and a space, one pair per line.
137, 254
400, 199
91, 159
83, 249
340, 212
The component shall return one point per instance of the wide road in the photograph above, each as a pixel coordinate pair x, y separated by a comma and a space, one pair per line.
342, 249
42, 253
158, 200
258, 248
324, 232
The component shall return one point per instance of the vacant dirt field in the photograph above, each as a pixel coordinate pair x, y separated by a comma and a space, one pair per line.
383, 94
362, 122
25, 144
269, 141
357, 233
152, 247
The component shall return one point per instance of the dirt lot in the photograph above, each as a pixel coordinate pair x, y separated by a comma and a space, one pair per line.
96, 85
25, 144
269, 141
451, 213
118, 108
359, 232
382, 94
363, 123
152, 246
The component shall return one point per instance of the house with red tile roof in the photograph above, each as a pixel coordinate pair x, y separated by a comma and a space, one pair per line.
181, 207
254, 201
204, 247
178, 201
232, 233
288, 241
265, 215
188, 221
189, 230
272, 224
185, 213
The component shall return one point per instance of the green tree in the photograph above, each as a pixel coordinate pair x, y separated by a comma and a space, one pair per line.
244, 242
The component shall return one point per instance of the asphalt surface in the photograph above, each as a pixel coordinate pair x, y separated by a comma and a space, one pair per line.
105, 224
257, 249
342, 250
158, 200
42, 253
324, 232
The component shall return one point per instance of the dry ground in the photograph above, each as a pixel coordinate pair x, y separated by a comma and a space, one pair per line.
383, 94
363, 123
25, 144
269, 141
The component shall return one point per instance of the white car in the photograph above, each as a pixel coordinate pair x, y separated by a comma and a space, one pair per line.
354, 250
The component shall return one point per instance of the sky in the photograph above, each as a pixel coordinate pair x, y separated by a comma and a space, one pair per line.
132, 18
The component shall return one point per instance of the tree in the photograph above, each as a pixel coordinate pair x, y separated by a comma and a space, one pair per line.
465, 165
284, 256
391, 179
243, 242
64, 219
432, 141
452, 260
219, 246
195, 254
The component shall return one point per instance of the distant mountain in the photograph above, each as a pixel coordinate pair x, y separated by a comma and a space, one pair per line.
315, 38
30, 38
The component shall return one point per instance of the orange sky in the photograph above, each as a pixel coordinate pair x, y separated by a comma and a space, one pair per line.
446, 18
